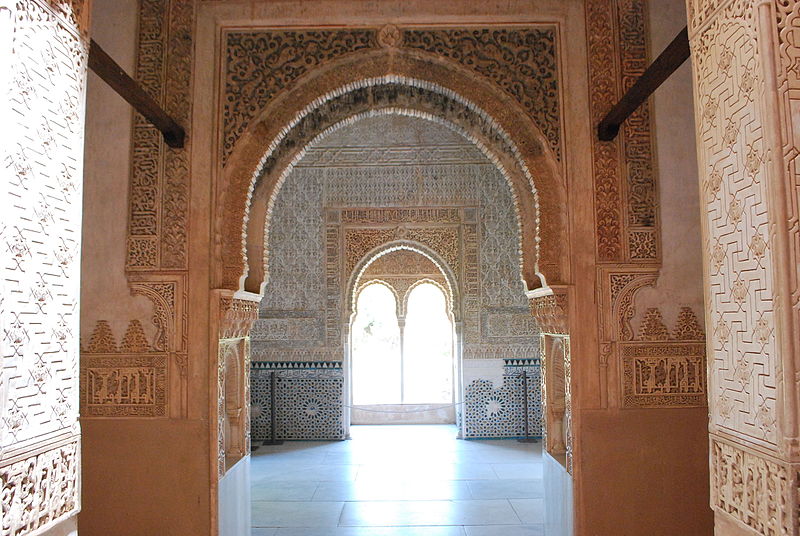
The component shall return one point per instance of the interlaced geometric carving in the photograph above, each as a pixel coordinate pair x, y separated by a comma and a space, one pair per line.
309, 403
44, 56
731, 147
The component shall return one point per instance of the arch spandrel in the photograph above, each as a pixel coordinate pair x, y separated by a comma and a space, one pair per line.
329, 95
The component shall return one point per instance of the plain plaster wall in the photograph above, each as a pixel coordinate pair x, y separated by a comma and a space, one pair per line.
681, 280
107, 158
234, 500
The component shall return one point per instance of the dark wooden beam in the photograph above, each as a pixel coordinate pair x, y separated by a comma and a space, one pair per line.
664, 65
130, 90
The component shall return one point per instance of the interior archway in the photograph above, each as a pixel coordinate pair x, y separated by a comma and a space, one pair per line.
383, 184
513, 143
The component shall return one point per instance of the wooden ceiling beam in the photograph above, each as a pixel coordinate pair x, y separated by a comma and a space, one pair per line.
129, 89
664, 65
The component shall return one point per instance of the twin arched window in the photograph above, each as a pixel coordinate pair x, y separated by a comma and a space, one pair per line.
406, 359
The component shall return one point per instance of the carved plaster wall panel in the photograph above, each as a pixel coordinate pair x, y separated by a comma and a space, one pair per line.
334, 216
408, 196
386, 96
509, 323
237, 317
159, 189
125, 380
521, 61
445, 241
731, 149
295, 242
402, 263
744, 58
551, 312
626, 201
663, 374
40, 235
325, 48
131, 385
139, 377
658, 366
233, 401
40, 489
756, 490
554, 389
297, 329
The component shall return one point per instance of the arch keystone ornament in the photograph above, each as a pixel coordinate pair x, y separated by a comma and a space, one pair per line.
389, 36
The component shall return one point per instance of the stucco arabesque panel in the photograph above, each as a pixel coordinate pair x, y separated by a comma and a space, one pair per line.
522, 61
363, 230
157, 240
740, 282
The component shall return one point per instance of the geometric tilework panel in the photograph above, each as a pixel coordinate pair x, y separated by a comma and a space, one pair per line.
499, 412
309, 404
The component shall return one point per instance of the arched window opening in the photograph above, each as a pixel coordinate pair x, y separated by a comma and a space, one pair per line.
427, 348
376, 348
406, 360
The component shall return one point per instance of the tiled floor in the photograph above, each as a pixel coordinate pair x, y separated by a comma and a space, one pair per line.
398, 481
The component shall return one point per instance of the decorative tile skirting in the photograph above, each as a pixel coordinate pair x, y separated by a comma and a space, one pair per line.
495, 412
305, 365
309, 401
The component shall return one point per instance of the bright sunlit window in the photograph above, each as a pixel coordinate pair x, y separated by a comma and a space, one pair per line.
418, 372
376, 348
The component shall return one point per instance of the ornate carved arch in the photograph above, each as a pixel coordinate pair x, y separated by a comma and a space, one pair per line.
452, 291
383, 80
